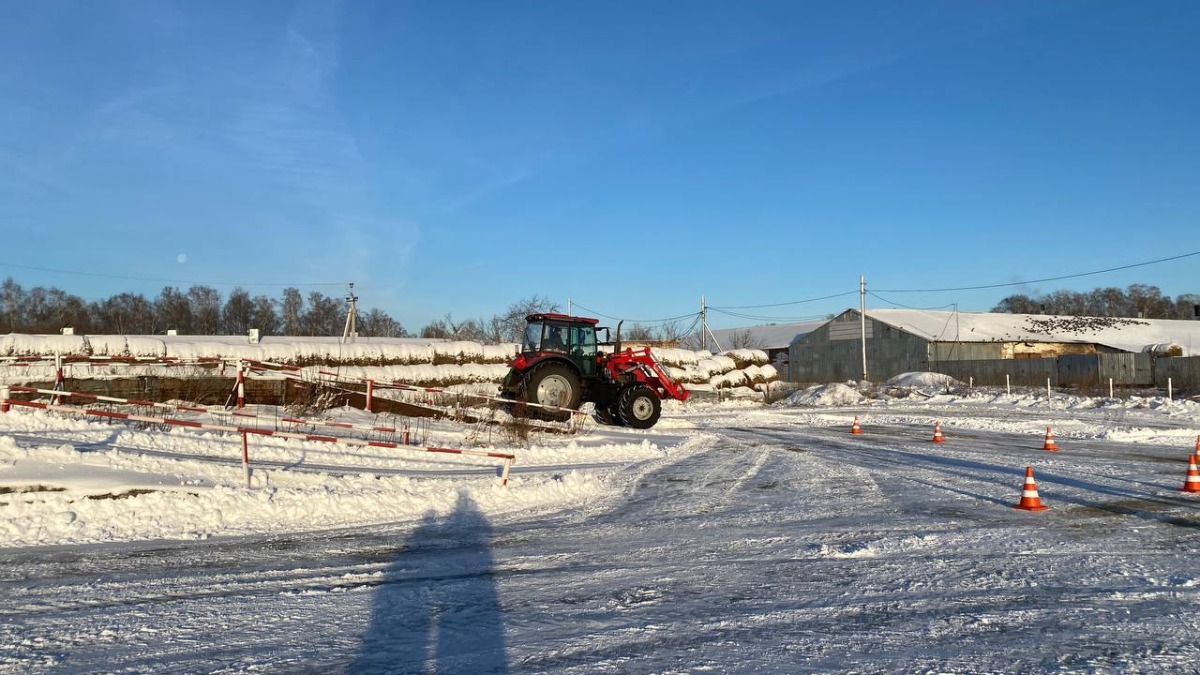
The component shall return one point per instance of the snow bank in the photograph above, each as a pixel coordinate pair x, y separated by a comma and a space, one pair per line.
95, 482
925, 382
824, 395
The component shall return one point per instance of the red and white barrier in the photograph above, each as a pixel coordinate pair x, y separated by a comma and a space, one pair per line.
507, 458
59, 381
108, 399
297, 373
575, 418
211, 410
113, 360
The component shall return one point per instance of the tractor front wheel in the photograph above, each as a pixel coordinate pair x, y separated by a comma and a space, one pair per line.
639, 407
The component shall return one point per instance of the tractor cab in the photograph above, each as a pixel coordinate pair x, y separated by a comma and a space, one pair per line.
570, 336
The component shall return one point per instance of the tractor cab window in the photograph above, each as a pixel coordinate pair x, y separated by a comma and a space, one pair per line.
583, 348
583, 342
555, 337
533, 338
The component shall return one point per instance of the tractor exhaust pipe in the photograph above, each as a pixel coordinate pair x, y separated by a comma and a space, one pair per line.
617, 345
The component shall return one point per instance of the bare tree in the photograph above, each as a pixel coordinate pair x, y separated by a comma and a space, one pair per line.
638, 332
510, 325
743, 338
376, 323
125, 314
324, 316
1148, 302
1187, 306
447, 328
1018, 304
174, 311
292, 311
263, 316
238, 315
12, 303
672, 331
437, 329
206, 309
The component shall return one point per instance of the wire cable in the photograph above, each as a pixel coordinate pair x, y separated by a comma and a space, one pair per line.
897, 304
772, 319
1038, 281
784, 304
641, 321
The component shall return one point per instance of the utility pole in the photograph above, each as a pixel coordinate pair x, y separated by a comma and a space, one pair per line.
350, 332
703, 325
862, 317
569, 307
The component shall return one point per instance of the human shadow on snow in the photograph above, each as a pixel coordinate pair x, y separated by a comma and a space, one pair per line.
437, 609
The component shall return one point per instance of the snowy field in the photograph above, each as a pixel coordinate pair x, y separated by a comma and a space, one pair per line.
732, 538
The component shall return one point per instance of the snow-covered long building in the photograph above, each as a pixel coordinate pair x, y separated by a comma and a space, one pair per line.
989, 345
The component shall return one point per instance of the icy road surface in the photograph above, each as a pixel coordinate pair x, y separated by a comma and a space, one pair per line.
772, 541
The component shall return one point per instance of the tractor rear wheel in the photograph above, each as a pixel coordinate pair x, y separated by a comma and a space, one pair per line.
639, 407
553, 384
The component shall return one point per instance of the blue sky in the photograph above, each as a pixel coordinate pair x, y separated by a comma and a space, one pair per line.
458, 156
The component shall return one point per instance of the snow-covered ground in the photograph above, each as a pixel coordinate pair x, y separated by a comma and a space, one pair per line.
730, 538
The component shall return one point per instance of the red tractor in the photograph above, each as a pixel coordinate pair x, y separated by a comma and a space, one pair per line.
561, 365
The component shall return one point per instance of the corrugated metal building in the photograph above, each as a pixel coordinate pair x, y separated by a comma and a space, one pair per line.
980, 345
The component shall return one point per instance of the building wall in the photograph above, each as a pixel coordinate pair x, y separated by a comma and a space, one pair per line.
833, 352
1183, 371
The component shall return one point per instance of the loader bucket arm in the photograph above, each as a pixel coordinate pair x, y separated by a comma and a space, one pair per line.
646, 369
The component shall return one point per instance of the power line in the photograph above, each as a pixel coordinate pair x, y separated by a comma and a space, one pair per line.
897, 304
783, 304
641, 321
1038, 281
167, 281
784, 319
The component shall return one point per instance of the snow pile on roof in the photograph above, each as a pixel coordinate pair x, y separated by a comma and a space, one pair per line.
824, 395
1130, 335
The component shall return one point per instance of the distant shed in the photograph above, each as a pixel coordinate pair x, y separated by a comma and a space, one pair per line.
774, 339
900, 340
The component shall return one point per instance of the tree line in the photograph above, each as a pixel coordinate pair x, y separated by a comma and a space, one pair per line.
1138, 301
201, 310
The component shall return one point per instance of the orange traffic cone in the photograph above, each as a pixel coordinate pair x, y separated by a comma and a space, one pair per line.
1192, 484
937, 433
1049, 444
1030, 501
854, 428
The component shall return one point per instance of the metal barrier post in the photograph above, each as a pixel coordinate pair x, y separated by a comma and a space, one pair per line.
241, 384
504, 472
246, 458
